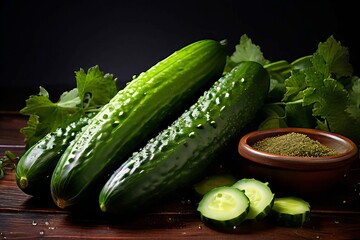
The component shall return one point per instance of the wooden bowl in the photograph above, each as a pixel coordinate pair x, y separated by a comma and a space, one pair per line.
303, 175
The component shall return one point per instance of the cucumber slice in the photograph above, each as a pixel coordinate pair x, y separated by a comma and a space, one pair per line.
290, 211
224, 207
213, 181
260, 195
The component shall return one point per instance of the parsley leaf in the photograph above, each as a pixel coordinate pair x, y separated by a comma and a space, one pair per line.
46, 116
101, 86
246, 50
274, 117
354, 93
332, 58
295, 84
329, 104
334, 107
7, 162
320, 92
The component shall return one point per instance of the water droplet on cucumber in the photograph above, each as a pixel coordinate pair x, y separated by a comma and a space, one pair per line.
192, 135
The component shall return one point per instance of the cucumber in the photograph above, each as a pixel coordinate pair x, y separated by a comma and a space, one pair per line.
260, 195
213, 181
34, 169
180, 153
224, 207
290, 211
132, 116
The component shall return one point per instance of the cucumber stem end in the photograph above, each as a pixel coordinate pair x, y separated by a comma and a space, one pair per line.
23, 182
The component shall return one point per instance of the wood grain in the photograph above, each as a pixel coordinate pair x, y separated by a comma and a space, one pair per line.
335, 214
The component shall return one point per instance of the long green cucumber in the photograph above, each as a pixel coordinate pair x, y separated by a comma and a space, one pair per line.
131, 116
35, 167
181, 152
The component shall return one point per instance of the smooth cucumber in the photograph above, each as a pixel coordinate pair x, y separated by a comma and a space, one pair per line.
131, 116
224, 207
290, 211
181, 152
35, 167
260, 195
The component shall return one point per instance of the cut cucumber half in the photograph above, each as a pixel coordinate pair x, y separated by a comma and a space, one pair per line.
260, 195
213, 181
224, 207
290, 211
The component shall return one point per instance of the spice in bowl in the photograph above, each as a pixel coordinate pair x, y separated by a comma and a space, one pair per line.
294, 144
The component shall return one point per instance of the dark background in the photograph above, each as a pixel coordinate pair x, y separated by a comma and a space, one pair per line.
43, 42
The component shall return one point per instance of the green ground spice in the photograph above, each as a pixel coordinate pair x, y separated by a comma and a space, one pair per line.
294, 144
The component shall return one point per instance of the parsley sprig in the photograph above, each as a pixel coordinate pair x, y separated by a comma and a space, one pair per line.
7, 162
314, 91
93, 89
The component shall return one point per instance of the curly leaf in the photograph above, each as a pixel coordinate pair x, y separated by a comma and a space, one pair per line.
354, 93
102, 87
329, 106
332, 58
295, 84
246, 50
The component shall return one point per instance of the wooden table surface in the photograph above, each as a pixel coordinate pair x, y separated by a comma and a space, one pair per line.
335, 214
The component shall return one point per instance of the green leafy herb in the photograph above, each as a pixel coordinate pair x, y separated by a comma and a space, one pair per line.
246, 50
354, 93
94, 89
334, 107
314, 91
7, 162
101, 86
273, 115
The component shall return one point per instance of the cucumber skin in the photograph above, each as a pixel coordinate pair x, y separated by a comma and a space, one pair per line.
131, 116
181, 152
34, 169
285, 219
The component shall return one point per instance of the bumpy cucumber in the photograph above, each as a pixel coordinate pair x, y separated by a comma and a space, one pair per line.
224, 207
179, 153
34, 169
260, 195
133, 115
